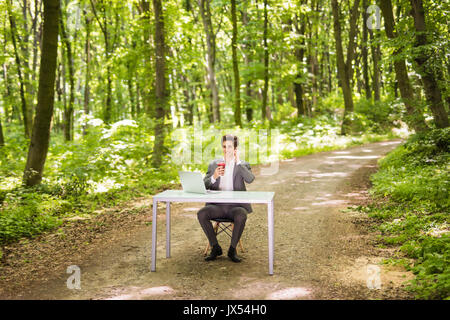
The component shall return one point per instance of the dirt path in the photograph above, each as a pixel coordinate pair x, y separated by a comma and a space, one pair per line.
321, 252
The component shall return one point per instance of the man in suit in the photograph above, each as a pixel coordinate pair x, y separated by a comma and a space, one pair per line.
231, 178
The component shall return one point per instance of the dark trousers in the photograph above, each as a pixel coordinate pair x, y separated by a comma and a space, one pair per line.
237, 214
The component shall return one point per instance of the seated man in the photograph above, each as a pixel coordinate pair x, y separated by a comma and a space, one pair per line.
230, 178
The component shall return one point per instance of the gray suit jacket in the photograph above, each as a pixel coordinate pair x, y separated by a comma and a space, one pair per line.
241, 173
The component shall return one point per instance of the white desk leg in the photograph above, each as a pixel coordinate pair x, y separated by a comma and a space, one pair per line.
271, 237
155, 207
168, 229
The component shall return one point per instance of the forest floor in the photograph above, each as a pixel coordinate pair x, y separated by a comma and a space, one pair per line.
322, 250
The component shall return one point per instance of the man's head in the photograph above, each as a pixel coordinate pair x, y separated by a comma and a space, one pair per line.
229, 145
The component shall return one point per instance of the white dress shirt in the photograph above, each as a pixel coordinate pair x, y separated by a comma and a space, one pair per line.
226, 181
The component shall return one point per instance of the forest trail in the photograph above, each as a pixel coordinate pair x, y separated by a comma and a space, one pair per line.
321, 252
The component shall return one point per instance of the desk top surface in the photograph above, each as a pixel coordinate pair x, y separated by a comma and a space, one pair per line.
216, 196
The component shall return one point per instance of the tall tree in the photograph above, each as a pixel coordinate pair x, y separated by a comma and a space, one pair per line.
247, 47
313, 52
26, 110
205, 12
364, 52
376, 71
237, 82
40, 136
422, 59
345, 71
2, 139
160, 83
104, 23
414, 118
68, 110
147, 90
299, 54
87, 75
35, 31
7, 85
265, 111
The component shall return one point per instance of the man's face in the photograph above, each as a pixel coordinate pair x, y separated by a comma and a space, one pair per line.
228, 149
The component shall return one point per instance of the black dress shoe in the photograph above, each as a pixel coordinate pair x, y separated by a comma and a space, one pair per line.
215, 251
232, 255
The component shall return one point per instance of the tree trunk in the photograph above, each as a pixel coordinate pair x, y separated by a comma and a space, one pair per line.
237, 81
206, 94
314, 87
108, 52
329, 75
7, 94
189, 111
160, 84
107, 115
188, 88
298, 89
248, 84
27, 121
2, 139
131, 93
145, 84
432, 91
205, 12
200, 95
131, 71
414, 118
265, 111
299, 54
345, 71
26, 71
313, 53
36, 30
376, 69
58, 89
40, 137
68, 112
364, 52
63, 79
87, 50
352, 42
138, 99
176, 114
359, 83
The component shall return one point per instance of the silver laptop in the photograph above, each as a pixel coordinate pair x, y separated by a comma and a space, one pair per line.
193, 182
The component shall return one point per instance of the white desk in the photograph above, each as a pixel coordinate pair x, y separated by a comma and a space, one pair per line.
169, 196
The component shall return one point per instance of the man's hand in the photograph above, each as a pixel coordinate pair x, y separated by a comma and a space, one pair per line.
218, 172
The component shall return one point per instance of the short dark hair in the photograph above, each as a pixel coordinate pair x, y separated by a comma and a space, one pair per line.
230, 137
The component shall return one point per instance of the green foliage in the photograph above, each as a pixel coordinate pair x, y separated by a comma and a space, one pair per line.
13, 153
26, 212
375, 116
413, 179
417, 170
432, 268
